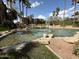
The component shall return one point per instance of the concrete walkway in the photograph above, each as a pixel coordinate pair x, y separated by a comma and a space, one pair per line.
62, 48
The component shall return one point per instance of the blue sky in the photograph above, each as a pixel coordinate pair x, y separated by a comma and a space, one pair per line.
44, 8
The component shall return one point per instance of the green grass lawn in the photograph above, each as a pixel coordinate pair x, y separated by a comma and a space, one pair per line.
36, 51
41, 52
3, 28
9, 40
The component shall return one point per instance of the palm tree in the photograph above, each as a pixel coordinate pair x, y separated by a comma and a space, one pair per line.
20, 5
23, 4
22, 8
10, 3
30, 18
57, 11
64, 11
74, 2
27, 4
2, 12
53, 13
77, 13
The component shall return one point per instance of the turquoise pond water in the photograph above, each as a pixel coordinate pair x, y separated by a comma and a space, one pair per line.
37, 33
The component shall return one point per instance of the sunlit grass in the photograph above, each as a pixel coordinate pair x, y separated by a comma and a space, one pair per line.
41, 52
9, 40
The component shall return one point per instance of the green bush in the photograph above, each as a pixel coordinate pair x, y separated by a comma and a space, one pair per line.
76, 23
2, 28
4, 57
76, 48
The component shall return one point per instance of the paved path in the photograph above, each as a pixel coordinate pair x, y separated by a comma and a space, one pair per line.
62, 48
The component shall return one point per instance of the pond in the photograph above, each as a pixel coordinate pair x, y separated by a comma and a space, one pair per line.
64, 32
35, 33
56, 32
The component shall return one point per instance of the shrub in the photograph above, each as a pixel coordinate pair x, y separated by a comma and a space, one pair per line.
76, 48
76, 23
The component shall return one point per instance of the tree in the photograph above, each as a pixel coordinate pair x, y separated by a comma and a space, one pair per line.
20, 5
31, 18
74, 2
76, 13
64, 11
53, 13
2, 12
10, 3
25, 3
57, 11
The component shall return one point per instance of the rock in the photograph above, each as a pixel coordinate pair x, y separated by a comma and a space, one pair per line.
44, 42
48, 36
45, 39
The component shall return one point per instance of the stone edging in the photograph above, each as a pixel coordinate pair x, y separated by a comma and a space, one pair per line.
53, 52
7, 33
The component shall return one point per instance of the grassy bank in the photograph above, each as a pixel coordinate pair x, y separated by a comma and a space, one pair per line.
33, 51
41, 52
3, 28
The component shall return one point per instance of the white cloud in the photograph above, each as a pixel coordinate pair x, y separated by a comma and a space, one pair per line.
36, 3
62, 12
67, 12
41, 17
50, 14
66, 15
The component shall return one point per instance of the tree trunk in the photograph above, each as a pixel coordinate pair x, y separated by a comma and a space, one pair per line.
19, 6
64, 11
26, 11
64, 8
74, 11
22, 9
10, 4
